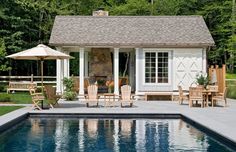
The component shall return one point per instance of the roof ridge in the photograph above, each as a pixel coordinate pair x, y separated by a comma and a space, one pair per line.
176, 16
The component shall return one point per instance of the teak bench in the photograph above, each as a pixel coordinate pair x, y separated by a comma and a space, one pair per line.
20, 86
158, 94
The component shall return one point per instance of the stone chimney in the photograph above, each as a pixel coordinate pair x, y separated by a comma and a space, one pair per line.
100, 12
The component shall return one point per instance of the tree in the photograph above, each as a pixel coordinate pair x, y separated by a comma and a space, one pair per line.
4, 64
131, 7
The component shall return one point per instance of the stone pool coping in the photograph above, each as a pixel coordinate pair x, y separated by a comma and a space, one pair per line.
219, 120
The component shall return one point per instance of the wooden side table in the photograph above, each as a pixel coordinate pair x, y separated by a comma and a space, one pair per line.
109, 99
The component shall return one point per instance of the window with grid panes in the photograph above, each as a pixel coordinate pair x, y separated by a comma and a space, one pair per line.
156, 67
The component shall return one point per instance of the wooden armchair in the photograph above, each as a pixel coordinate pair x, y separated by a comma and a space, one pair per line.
220, 97
51, 95
126, 95
195, 94
92, 96
37, 98
182, 96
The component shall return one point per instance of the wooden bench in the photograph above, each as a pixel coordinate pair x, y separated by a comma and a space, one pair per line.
20, 86
158, 94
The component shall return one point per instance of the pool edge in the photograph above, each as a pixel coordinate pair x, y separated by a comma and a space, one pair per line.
213, 133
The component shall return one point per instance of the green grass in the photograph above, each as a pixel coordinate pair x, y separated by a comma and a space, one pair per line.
20, 98
230, 75
7, 109
231, 85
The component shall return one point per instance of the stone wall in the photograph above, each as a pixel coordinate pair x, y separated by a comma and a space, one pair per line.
100, 63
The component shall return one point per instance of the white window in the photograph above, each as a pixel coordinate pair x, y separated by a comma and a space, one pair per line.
156, 67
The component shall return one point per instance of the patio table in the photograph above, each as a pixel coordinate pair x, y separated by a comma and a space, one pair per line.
109, 99
208, 92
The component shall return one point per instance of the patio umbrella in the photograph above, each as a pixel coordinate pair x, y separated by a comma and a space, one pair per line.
40, 52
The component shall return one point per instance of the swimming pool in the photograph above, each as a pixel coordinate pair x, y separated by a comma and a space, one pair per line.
84, 134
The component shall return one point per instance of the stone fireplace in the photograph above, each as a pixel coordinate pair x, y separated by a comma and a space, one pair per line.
100, 63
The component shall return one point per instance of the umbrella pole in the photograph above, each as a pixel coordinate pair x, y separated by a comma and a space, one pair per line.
42, 75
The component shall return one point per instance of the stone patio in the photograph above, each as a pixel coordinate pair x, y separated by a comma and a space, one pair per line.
222, 120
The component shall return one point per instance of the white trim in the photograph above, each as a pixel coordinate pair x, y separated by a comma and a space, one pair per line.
66, 66
81, 71
156, 50
62, 75
116, 71
136, 70
58, 89
204, 61
59, 71
86, 64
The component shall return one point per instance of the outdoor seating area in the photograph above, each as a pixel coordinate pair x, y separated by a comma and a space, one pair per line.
125, 99
203, 96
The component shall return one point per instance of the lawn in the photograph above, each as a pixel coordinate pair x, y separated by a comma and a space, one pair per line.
7, 109
230, 75
19, 97
231, 85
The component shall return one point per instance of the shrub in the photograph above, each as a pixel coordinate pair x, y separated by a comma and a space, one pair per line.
5, 98
2, 88
69, 84
69, 95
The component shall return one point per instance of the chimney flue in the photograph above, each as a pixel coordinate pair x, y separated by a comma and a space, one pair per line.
100, 12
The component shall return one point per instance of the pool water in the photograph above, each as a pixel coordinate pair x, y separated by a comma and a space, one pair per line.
69, 135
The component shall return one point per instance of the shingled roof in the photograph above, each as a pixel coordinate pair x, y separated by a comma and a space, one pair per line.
133, 31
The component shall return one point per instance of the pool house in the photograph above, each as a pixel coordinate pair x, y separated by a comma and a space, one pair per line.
163, 51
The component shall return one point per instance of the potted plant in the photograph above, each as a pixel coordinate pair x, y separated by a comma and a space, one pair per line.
110, 85
69, 93
202, 79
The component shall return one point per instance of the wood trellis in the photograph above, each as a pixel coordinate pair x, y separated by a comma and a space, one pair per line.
220, 76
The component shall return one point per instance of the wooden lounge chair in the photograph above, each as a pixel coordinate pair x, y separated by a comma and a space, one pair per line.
37, 98
51, 95
219, 97
182, 96
92, 96
126, 95
196, 94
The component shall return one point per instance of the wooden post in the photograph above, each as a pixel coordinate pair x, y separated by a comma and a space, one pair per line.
32, 78
223, 76
220, 74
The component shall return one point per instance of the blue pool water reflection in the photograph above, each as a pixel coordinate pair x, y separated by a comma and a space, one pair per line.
67, 135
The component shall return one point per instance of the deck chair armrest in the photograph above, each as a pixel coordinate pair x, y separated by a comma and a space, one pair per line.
119, 97
37, 94
86, 96
133, 96
98, 96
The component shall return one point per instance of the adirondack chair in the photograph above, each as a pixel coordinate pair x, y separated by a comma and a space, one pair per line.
37, 98
126, 95
92, 96
51, 95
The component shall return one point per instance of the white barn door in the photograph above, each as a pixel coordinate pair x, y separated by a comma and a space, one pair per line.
186, 64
